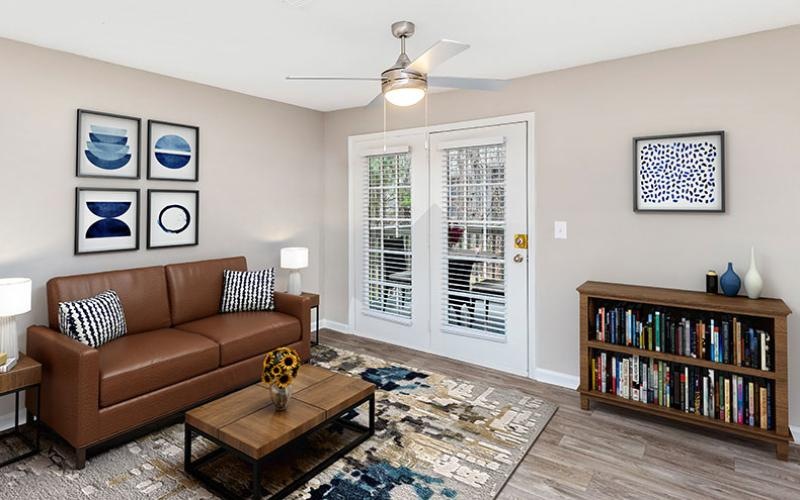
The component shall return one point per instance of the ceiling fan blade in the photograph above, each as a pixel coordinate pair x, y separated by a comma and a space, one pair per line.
345, 78
436, 55
467, 83
374, 102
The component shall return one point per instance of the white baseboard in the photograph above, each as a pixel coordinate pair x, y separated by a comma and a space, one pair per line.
335, 325
556, 378
795, 430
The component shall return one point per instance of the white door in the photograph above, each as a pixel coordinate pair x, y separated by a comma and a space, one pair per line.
390, 220
479, 290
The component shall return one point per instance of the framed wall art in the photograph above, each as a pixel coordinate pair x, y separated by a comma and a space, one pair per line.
173, 151
172, 218
679, 173
107, 145
106, 220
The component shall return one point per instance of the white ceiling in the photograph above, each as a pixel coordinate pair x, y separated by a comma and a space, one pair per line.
250, 45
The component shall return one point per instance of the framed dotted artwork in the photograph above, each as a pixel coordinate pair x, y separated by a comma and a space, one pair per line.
679, 173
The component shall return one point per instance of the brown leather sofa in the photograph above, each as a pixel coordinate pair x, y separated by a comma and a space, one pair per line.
178, 351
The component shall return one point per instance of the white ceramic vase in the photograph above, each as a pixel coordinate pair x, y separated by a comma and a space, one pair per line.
752, 280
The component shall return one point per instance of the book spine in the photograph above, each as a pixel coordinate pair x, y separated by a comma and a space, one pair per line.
658, 331
762, 400
751, 405
727, 412
770, 406
740, 402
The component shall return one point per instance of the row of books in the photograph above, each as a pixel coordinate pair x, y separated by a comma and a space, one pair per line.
691, 389
722, 340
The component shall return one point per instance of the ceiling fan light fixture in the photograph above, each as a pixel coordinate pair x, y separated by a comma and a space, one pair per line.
404, 97
405, 92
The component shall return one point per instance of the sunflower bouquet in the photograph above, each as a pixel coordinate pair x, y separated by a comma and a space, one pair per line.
280, 367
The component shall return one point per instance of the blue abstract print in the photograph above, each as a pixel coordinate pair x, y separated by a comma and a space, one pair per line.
391, 378
108, 147
172, 151
109, 226
376, 480
678, 172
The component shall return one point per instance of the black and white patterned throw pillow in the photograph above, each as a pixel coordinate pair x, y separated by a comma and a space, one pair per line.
248, 291
93, 321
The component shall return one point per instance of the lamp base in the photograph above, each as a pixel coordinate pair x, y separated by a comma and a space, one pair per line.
8, 341
295, 288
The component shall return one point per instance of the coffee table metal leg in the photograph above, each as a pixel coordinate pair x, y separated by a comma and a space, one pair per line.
257, 480
187, 449
372, 415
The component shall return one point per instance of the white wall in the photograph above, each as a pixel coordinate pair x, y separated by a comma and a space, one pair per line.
260, 168
585, 119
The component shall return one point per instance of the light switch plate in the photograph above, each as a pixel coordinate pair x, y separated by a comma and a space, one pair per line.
560, 230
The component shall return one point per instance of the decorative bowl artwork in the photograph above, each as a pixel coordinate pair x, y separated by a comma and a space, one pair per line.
107, 147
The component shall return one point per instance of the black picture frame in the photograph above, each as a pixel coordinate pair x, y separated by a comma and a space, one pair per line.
714, 133
79, 139
196, 130
150, 214
78, 191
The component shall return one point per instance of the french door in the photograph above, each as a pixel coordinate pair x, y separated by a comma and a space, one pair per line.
436, 213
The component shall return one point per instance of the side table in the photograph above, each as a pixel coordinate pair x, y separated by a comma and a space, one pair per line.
315, 304
26, 375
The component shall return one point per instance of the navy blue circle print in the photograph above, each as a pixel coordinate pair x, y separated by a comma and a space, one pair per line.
174, 219
172, 151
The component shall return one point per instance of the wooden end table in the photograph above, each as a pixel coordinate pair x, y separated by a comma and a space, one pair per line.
246, 425
315, 304
27, 374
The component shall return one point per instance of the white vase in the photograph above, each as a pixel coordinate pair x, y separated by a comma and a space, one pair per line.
752, 280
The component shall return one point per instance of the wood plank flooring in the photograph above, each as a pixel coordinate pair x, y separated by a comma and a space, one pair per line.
614, 453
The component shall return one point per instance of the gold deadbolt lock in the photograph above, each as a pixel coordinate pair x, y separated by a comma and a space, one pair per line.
521, 241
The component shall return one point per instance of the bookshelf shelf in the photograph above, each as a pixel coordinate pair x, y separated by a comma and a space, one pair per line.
771, 313
671, 413
684, 360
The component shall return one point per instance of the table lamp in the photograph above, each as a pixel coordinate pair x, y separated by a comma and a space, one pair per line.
15, 298
294, 258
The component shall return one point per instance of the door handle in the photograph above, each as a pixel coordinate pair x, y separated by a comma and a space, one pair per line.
518, 258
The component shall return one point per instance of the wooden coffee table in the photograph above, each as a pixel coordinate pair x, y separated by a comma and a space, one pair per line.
245, 424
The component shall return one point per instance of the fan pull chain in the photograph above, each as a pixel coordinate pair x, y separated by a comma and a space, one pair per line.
384, 123
427, 133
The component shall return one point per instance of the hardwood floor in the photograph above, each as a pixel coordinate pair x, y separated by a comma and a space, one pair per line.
613, 453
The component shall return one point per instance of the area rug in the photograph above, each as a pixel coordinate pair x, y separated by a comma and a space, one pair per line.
436, 437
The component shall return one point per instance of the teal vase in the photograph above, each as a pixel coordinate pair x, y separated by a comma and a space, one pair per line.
730, 282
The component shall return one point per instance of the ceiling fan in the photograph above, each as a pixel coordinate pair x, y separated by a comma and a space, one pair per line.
406, 82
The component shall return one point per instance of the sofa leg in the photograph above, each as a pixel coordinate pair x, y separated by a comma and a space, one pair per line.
80, 458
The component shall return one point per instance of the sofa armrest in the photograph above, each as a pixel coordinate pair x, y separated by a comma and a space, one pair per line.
70, 384
299, 307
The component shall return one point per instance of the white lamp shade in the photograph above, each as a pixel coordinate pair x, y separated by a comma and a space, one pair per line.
294, 257
15, 296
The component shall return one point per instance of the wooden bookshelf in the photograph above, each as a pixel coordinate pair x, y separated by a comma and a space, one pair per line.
773, 311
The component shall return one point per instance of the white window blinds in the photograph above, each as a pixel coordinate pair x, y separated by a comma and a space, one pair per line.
387, 234
474, 238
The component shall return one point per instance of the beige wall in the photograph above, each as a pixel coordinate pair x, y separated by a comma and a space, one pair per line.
585, 119
260, 171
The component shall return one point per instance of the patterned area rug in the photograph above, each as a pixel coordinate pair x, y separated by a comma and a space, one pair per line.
436, 438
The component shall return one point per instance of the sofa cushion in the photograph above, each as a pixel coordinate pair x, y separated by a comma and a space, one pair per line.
248, 291
245, 334
195, 288
94, 321
137, 364
142, 291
